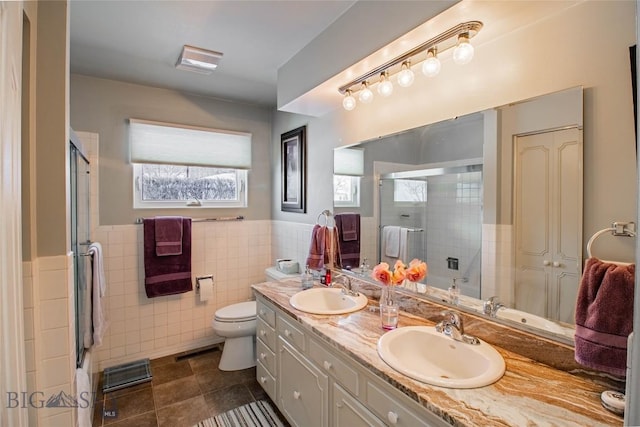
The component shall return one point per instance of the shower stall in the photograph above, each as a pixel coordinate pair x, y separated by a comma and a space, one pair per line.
80, 180
441, 210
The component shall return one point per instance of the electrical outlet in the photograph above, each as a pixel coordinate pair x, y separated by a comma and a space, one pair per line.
452, 263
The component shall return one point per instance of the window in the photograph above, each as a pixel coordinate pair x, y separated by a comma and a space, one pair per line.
346, 191
348, 167
409, 191
177, 166
177, 186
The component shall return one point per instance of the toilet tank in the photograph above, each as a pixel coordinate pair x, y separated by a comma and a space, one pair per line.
272, 274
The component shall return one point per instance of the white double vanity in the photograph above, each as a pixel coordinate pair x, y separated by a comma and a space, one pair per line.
325, 370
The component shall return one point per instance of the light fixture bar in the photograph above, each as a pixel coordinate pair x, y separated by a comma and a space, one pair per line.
470, 27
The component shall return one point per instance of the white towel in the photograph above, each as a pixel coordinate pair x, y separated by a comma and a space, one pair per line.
98, 290
87, 300
84, 397
403, 244
391, 241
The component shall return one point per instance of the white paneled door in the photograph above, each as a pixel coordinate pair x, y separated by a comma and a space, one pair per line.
548, 222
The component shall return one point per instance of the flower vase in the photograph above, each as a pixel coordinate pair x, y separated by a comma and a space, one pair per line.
388, 308
411, 286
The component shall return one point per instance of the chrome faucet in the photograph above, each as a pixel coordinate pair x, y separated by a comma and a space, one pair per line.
347, 288
490, 307
453, 327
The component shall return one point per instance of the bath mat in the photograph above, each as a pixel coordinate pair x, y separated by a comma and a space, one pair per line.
254, 414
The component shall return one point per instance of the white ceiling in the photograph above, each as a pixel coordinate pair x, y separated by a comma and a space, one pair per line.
140, 41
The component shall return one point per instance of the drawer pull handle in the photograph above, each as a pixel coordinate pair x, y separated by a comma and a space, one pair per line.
296, 395
546, 263
327, 365
392, 417
287, 333
263, 332
263, 380
263, 356
556, 264
339, 405
262, 312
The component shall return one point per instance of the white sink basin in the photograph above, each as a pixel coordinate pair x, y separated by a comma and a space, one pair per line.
533, 321
327, 301
426, 355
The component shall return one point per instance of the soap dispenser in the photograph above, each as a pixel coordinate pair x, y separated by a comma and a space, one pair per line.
454, 293
306, 279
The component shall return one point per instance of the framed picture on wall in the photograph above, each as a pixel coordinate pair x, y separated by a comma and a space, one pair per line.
294, 174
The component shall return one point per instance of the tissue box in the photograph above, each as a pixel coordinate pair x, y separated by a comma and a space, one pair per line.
287, 266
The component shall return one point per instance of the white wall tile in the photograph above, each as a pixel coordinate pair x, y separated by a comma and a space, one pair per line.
54, 343
54, 314
55, 372
52, 284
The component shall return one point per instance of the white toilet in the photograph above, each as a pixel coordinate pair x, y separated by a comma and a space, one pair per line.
237, 324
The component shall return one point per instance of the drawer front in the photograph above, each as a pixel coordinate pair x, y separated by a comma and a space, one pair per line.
331, 364
390, 410
348, 412
266, 313
266, 357
266, 380
291, 333
266, 334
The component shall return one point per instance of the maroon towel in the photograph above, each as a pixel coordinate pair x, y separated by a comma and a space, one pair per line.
315, 260
168, 235
170, 274
348, 225
604, 316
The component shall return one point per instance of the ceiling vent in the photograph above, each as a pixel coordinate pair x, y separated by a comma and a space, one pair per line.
198, 60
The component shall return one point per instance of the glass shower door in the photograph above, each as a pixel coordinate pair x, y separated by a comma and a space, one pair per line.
80, 180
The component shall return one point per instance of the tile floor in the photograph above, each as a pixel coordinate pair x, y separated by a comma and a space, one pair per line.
185, 389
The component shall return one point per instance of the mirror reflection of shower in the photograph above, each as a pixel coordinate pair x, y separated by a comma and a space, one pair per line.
435, 215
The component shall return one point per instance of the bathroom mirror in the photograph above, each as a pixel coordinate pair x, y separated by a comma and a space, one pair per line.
466, 193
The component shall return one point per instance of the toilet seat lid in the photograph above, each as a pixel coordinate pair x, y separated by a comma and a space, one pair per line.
237, 312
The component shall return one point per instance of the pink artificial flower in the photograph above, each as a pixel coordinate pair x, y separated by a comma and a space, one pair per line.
417, 270
382, 274
399, 273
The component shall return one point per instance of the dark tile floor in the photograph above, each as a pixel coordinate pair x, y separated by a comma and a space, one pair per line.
185, 389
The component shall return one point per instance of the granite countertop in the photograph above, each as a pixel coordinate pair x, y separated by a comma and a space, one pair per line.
529, 394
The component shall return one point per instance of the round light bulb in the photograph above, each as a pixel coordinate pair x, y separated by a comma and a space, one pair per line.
349, 102
405, 77
431, 66
463, 53
366, 96
385, 88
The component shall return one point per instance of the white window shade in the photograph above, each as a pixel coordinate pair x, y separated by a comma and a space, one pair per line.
348, 161
164, 143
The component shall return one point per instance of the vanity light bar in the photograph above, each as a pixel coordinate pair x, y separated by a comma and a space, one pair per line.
461, 33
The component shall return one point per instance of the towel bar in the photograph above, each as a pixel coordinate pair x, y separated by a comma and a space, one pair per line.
140, 220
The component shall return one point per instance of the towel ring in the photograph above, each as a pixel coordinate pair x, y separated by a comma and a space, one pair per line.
326, 213
617, 229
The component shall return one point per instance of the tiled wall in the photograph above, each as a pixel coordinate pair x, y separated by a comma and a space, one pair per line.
49, 335
292, 240
497, 273
236, 253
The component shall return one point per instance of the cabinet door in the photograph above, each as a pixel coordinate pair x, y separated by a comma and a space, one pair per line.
303, 389
348, 412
